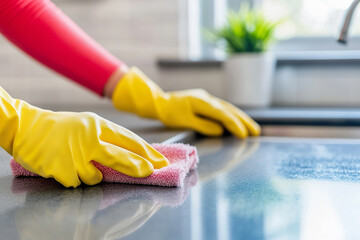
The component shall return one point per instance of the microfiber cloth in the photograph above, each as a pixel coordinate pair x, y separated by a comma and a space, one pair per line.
182, 157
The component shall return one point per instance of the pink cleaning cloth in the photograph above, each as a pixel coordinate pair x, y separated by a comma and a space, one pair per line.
182, 157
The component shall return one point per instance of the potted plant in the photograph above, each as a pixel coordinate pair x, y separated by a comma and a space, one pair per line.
249, 67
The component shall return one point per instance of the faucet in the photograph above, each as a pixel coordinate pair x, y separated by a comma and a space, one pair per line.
344, 30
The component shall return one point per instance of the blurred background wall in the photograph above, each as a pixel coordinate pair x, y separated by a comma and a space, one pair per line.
138, 32
142, 31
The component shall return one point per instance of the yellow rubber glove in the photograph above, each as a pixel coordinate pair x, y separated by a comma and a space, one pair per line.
194, 109
62, 145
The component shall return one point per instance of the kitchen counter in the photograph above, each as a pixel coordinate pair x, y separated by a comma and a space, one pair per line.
269, 187
151, 130
349, 117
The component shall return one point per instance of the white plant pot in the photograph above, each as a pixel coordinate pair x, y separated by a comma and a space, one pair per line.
248, 79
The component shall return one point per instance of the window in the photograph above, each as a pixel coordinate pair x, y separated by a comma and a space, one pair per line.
310, 25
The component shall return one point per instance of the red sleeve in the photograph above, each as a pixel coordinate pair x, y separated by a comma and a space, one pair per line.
40, 29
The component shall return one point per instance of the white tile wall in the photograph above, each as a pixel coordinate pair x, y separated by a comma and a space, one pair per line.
209, 78
333, 86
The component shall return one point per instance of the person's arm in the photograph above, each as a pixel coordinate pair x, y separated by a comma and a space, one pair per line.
48, 35
44, 32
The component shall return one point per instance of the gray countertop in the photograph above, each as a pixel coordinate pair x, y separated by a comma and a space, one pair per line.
259, 188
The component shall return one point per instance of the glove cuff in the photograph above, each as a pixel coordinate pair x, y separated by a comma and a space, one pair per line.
136, 93
9, 121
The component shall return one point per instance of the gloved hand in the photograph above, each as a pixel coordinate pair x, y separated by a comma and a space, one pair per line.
62, 145
194, 109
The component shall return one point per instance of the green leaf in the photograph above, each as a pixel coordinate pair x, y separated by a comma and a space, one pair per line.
244, 31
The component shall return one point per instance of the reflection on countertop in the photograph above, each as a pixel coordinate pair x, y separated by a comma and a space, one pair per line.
105, 211
257, 188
